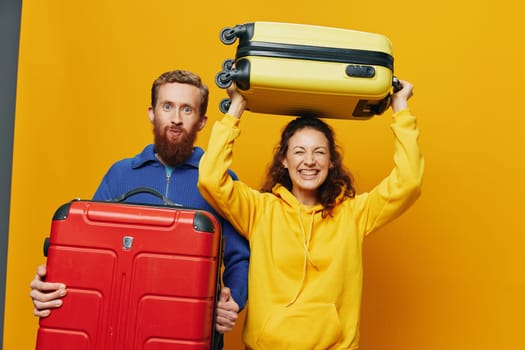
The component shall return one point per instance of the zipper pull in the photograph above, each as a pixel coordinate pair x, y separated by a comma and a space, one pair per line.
168, 178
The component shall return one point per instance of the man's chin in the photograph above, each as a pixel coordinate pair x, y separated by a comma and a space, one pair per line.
174, 140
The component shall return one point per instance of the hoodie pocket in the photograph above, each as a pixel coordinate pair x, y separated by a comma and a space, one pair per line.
309, 326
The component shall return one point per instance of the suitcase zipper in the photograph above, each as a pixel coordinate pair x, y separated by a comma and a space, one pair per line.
315, 53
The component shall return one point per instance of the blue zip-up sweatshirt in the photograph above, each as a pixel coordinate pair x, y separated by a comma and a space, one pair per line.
179, 184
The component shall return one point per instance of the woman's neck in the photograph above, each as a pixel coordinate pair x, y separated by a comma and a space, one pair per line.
308, 198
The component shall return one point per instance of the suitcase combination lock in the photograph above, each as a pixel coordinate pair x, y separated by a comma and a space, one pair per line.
359, 71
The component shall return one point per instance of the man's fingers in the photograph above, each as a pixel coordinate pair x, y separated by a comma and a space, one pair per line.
42, 286
46, 303
43, 309
46, 300
224, 324
41, 271
227, 311
221, 329
226, 317
41, 313
225, 294
226, 321
42, 306
42, 295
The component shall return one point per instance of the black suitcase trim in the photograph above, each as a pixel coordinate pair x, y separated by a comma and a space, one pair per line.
314, 53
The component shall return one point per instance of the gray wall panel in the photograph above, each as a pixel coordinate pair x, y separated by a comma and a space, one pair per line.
10, 13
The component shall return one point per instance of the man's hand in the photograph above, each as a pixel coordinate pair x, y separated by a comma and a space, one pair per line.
45, 295
227, 311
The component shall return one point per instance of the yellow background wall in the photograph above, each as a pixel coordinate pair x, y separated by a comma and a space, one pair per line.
447, 275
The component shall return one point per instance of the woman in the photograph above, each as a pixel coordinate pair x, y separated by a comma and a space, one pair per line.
306, 226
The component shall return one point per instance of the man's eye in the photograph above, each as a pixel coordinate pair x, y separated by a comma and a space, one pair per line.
166, 107
186, 110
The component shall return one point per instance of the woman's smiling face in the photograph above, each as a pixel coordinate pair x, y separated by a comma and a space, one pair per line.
308, 163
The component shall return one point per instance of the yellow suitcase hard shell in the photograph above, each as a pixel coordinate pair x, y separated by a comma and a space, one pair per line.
300, 69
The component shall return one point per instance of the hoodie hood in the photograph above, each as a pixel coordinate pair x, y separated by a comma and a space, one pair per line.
287, 196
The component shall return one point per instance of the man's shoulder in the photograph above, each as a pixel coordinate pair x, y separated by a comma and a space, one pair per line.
146, 155
136, 162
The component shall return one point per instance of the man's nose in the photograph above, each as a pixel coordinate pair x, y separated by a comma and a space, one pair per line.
176, 117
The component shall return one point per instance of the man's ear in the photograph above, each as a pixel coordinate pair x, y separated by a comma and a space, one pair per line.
151, 114
202, 122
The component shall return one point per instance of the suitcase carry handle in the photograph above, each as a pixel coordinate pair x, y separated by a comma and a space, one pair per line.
138, 190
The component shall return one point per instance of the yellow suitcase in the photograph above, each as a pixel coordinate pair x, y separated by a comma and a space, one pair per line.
300, 69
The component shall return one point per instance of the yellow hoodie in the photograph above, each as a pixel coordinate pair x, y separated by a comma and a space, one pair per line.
305, 275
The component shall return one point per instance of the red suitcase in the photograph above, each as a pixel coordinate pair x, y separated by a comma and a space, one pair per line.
138, 277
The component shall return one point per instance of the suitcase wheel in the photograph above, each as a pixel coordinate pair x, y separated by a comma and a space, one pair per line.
223, 79
228, 36
227, 65
224, 105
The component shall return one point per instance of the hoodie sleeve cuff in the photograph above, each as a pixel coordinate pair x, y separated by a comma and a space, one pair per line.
230, 121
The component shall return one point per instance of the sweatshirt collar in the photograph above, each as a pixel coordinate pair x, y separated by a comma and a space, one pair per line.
288, 197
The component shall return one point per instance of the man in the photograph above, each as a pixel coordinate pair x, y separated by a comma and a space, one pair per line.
178, 112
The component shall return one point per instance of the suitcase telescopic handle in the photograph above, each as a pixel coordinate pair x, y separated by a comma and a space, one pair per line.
139, 190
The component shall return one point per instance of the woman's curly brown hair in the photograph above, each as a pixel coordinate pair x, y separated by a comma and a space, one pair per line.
339, 178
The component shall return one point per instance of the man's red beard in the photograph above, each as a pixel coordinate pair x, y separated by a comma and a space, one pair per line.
174, 153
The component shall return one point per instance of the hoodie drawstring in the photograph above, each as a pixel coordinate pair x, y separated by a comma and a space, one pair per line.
307, 257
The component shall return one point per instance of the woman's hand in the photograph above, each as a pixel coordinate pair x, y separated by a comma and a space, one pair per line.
238, 102
400, 98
